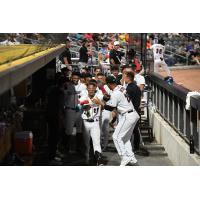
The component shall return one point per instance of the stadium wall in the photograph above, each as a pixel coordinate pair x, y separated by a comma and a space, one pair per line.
177, 149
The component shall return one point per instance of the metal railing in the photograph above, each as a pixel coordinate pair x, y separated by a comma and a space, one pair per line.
170, 101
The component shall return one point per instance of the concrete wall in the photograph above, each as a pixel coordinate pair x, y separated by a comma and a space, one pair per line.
175, 146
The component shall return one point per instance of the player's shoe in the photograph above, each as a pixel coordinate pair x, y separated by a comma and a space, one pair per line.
98, 158
125, 161
133, 161
128, 161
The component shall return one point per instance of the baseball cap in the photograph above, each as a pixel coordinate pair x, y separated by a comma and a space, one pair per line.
116, 43
111, 79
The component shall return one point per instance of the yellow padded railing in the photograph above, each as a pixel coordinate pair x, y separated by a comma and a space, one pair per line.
14, 52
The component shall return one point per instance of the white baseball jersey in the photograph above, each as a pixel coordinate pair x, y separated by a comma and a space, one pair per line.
139, 79
120, 100
80, 89
158, 51
107, 89
98, 92
95, 110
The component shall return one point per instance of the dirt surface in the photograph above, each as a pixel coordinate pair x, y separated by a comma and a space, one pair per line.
189, 78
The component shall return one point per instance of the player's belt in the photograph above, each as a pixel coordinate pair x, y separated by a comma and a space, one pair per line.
91, 120
130, 111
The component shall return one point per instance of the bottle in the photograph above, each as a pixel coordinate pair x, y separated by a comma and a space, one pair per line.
191, 144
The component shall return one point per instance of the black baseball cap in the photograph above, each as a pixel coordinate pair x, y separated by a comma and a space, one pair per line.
76, 74
111, 79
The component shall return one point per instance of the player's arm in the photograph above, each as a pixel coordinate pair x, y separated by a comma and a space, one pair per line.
112, 103
66, 61
97, 101
152, 46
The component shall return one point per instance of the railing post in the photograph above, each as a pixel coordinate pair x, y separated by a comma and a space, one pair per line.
193, 127
168, 106
187, 122
173, 110
178, 120
159, 99
198, 128
184, 121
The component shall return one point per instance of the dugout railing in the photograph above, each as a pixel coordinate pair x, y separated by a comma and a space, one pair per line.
170, 102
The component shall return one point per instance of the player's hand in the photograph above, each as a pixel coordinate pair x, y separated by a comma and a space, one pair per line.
106, 97
96, 101
86, 107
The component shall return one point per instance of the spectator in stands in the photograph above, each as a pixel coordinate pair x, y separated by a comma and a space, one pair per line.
65, 57
189, 47
122, 37
182, 52
88, 36
84, 54
133, 59
103, 54
115, 54
194, 59
79, 36
11, 40
196, 45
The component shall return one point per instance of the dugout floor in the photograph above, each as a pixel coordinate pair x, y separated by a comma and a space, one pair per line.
157, 156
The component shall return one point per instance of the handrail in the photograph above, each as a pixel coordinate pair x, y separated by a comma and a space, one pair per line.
170, 102
195, 102
175, 89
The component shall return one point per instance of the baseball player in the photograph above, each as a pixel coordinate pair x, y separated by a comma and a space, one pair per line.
106, 115
91, 106
72, 111
127, 121
158, 51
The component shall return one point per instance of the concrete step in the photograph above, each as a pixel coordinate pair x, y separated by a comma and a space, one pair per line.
154, 147
157, 153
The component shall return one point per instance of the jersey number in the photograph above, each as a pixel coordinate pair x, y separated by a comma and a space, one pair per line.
125, 94
159, 51
96, 110
127, 97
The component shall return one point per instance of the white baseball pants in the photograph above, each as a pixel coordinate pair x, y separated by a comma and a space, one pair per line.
92, 129
106, 115
123, 132
161, 63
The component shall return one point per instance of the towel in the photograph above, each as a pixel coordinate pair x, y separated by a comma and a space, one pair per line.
189, 94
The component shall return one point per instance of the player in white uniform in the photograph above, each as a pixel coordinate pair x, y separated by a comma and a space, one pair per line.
106, 115
91, 106
127, 121
158, 51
